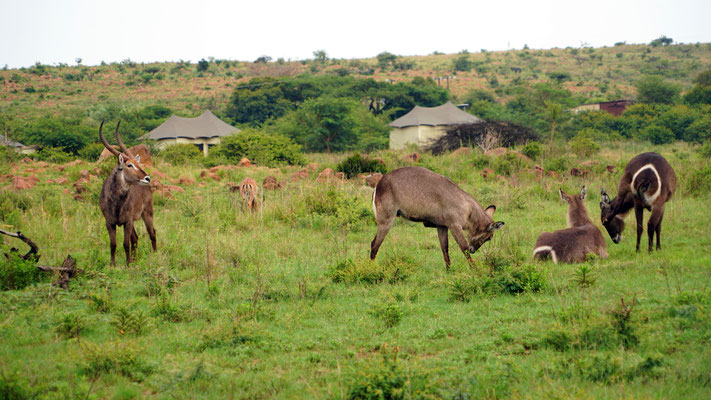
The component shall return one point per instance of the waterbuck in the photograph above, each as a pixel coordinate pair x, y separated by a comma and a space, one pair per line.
573, 244
248, 190
420, 195
125, 197
648, 181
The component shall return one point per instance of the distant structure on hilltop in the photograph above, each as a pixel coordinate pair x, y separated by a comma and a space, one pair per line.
615, 107
424, 125
204, 131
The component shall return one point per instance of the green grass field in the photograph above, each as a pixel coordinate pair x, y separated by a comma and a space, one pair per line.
285, 304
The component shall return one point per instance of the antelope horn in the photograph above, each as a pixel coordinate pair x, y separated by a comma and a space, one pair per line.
120, 143
106, 144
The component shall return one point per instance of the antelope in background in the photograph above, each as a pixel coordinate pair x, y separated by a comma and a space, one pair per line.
125, 197
420, 195
572, 244
648, 181
248, 190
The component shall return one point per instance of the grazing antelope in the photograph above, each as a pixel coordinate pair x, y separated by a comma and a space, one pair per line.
572, 244
648, 181
248, 190
420, 195
125, 197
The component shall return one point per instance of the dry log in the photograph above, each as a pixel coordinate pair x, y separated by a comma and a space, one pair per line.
66, 272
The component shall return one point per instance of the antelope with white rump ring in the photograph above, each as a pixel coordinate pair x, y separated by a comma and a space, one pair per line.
575, 243
420, 195
648, 181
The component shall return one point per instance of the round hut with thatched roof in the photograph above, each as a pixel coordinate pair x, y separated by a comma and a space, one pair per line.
424, 125
204, 131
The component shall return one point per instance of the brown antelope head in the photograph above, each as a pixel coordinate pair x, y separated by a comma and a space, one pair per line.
477, 238
615, 224
128, 164
577, 212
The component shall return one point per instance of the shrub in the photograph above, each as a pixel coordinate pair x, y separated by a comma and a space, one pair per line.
123, 361
357, 164
16, 273
369, 272
657, 134
91, 152
583, 145
698, 180
262, 148
532, 150
705, 149
388, 311
180, 153
71, 325
53, 154
557, 164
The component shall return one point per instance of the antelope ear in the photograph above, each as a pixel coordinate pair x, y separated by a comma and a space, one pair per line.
121, 161
583, 192
490, 210
138, 158
562, 195
495, 226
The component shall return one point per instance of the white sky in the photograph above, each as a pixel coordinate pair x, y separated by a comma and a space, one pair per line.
53, 31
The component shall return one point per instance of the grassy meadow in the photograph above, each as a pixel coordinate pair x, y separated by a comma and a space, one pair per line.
284, 303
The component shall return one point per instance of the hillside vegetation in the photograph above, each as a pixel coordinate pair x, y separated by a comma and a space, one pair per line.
61, 106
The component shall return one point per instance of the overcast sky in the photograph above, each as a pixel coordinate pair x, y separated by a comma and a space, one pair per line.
54, 31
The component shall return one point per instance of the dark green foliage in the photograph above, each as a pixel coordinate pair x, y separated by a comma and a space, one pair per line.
532, 150
261, 148
657, 134
389, 379
661, 41
462, 63
91, 152
385, 59
357, 164
655, 90
53, 155
559, 76
16, 273
203, 65
181, 153
14, 387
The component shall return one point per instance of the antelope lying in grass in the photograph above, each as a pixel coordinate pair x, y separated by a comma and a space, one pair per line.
648, 181
420, 195
572, 244
248, 190
125, 197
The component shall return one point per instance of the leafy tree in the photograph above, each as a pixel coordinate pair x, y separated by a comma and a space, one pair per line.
463, 63
260, 147
62, 133
260, 100
654, 90
203, 65
661, 41
262, 60
657, 134
386, 59
701, 92
323, 124
320, 56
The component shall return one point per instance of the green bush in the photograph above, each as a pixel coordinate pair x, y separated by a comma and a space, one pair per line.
53, 155
698, 180
583, 145
388, 311
180, 153
91, 152
357, 164
557, 164
368, 272
16, 273
261, 148
657, 134
532, 150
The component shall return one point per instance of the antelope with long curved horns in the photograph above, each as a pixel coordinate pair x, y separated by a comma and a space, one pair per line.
126, 197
